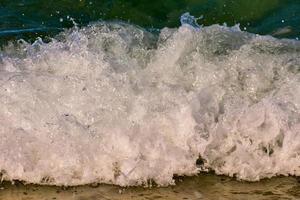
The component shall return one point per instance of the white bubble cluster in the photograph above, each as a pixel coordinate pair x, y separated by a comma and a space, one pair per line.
112, 103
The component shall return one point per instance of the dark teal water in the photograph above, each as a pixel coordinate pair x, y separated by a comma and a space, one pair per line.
29, 19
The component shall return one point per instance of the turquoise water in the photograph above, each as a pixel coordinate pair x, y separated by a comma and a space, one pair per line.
29, 19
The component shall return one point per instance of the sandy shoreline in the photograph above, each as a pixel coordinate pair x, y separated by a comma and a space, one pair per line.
204, 186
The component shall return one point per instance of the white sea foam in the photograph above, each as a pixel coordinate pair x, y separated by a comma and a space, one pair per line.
112, 103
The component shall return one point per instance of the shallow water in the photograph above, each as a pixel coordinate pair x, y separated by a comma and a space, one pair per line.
205, 186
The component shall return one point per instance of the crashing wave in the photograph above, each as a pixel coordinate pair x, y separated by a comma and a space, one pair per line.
113, 103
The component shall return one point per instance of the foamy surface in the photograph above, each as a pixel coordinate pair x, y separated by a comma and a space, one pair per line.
113, 103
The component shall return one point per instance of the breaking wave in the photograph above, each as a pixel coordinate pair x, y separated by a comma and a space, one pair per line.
113, 103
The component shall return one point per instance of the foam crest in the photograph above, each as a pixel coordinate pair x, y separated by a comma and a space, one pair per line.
113, 103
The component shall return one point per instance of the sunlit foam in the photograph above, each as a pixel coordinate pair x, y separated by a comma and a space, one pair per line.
112, 103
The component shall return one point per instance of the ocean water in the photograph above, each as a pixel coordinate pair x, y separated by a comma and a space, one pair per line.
86, 98
28, 19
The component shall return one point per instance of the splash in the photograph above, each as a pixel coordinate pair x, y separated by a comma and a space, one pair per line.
113, 103
187, 19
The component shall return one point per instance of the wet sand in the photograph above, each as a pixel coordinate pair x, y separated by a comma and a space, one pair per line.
205, 186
